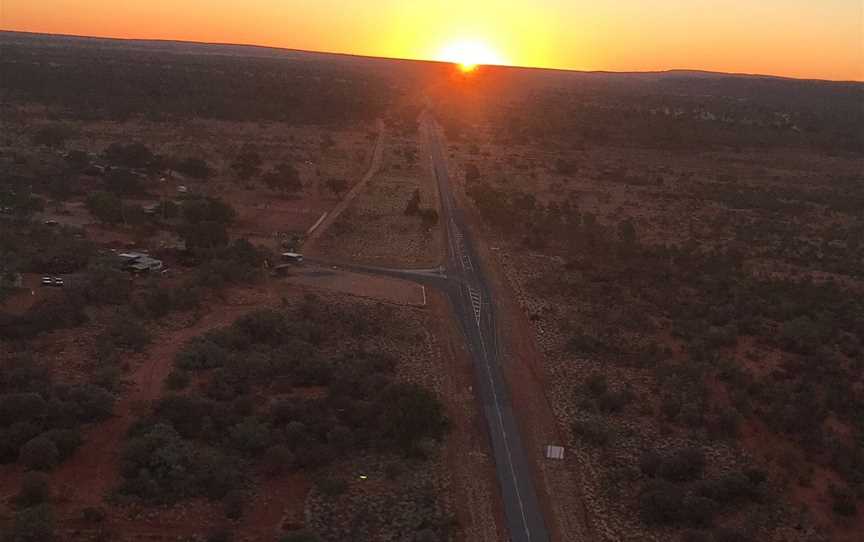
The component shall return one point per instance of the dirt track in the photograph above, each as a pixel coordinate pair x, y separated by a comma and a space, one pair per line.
92, 472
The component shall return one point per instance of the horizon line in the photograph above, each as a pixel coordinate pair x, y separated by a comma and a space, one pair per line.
407, 59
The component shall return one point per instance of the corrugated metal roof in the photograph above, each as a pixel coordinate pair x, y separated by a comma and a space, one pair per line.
554, 452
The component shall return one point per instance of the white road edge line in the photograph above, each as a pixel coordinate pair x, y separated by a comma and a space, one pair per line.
504, 434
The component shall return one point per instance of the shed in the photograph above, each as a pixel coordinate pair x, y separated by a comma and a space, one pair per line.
554, 452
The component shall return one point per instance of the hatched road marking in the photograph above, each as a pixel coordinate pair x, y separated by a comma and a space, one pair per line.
476, 303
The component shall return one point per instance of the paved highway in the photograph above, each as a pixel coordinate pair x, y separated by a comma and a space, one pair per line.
463, 282
474, 306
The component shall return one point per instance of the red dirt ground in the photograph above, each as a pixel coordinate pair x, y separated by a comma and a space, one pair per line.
388, 289
277, 506
31, 293
92, 472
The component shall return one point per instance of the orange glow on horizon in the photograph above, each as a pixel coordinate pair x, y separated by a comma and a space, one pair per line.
469, 54
795, 38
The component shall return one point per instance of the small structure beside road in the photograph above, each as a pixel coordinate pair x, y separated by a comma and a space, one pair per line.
292, 257
554, 452
138, 262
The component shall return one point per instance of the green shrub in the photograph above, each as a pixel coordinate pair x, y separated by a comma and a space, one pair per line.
234, 503
250, 436
412, 413
697, 511
34, 524
12, 438
39, 453
134, 155
91, 402
194, 167
34, 490
300, 536
683, 465
220, 535
660, 503
125, 332
158, 466
20, 407
93, 514
593, 432
332, 487
649, 463
66, 440
178, 379
201, 353
278, 459
729, 488
843, 502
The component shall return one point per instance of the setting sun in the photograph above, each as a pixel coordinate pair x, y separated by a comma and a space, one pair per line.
469, 54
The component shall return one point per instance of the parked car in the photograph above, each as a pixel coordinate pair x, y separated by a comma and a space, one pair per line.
58, 281
47, 281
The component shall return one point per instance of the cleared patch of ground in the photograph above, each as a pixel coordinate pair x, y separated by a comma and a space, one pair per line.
399, 292
375, 228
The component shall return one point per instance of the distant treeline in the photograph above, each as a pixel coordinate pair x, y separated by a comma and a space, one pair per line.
673, 110
89, 83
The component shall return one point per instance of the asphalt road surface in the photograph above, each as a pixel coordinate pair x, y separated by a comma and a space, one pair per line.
474, 306
463, 281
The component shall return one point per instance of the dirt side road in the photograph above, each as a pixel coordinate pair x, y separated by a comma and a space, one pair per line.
333, 215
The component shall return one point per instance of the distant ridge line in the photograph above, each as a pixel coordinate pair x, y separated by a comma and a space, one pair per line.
275, 49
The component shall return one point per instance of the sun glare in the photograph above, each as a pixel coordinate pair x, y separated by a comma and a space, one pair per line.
469, 54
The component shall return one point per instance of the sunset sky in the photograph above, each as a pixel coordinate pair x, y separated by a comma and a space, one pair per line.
797, 38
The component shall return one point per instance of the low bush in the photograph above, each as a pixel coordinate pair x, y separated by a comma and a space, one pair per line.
682, 465
39, 453
593, 432
35, 489
34, 524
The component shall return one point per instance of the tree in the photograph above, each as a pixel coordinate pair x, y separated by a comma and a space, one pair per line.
337, 186
248, 162
250, 435
660, 503
77, 159
52, 136
472, 173
683, 465
205, 221
284, 178
413, 413
413, 206
300, 536
39, 453
158, 465
123, 182
66, 440
194, 167
20, 407
35, 524
131, 155
429, 217
278, 459
126, 332
91, 402
208, 209
627, 233
106, 207
34, 490
843, 501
